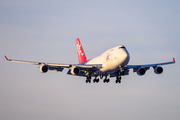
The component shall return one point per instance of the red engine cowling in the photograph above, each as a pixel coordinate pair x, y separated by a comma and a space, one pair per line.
158, 70
43, 68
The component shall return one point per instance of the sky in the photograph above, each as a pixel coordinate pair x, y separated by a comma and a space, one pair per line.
45, 31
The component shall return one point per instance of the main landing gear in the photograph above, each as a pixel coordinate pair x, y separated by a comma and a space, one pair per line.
106, 80
96, 79
118, 79
88, 80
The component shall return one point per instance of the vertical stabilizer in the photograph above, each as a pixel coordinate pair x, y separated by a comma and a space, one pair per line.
81, 54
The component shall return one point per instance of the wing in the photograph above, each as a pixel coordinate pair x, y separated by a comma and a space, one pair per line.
59, 67
150, 65
124, 70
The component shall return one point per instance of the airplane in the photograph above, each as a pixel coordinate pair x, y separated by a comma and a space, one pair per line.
112, 63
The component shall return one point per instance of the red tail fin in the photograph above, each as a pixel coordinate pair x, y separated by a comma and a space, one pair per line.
81, 54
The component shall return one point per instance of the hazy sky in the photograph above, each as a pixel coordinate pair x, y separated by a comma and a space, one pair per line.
39, 30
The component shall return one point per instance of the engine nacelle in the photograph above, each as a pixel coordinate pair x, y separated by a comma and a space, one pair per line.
75, 70
141, 71
43, 68
158, 70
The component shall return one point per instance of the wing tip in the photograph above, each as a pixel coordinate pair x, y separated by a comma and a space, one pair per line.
174, 60
6, 58
77, 39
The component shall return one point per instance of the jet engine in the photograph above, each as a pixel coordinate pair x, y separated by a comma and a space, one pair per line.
158, 70
141, 71
75, 70
43, 68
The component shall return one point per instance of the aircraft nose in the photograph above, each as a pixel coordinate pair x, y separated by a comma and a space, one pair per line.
126, 57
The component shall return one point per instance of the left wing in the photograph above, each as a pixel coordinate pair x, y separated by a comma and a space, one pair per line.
150, 65
57, 66
140, 69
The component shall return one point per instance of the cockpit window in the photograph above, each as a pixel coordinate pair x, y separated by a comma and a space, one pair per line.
121, 47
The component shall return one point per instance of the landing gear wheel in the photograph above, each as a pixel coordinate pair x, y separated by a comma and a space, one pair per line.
106, 80
96, 80
118, 79
88, 80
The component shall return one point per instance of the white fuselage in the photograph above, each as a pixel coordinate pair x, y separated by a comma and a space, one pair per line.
111, 59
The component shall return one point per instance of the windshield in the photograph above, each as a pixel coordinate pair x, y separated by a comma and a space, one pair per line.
121, 47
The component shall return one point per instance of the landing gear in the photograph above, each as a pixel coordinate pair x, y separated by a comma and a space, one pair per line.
118, 79
106, 80
96, 80
88, 80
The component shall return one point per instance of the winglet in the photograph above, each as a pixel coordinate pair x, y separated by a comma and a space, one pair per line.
174, 60
6, 58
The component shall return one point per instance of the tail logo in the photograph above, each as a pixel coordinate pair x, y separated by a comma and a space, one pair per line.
81, 55
79, 49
